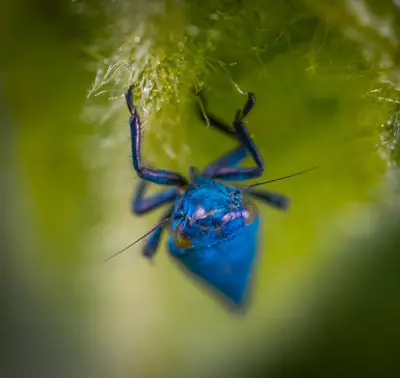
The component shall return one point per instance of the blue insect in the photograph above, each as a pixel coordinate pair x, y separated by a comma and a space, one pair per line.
214, 226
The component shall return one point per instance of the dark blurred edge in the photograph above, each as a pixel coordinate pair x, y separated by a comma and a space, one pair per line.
33, 342
351, 325
5, 236
38, 339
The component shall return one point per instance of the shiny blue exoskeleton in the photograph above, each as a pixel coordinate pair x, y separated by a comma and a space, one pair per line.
221, 228
214, 225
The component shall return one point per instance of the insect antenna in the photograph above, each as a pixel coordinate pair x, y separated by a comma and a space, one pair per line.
138, 240
243, 188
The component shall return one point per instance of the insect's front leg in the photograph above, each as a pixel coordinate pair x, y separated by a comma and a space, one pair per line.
239, 173
158, 176
142, 205
212, 121
251, 101
231, 159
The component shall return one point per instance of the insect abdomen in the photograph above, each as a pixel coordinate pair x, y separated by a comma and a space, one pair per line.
227, 266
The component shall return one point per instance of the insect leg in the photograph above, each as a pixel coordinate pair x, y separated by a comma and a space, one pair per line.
141, 205
240, 173
213, 121
151, 246
274, 199
251, 101
231, 159
158, 176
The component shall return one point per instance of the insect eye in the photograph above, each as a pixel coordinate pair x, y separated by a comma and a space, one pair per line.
250, 211
181, 239
235, 198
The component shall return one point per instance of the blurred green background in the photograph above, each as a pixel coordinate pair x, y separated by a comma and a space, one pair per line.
326, 301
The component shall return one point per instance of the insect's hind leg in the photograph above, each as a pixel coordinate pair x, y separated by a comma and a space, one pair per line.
276, 200
151, 246
141, 205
